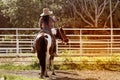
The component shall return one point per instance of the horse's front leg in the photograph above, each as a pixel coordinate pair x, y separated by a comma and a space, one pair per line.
51, 64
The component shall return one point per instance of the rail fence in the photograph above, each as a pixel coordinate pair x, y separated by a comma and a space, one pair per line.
82, 41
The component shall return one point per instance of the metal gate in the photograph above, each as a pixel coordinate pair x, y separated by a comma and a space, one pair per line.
82, 41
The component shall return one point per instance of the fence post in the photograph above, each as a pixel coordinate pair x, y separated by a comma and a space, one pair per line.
111, 41
80, 41
108, 46
17, 41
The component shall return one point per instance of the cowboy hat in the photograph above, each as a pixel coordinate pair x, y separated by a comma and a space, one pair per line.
46, 11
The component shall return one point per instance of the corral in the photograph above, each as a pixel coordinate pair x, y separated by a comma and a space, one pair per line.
96, 41
86, 46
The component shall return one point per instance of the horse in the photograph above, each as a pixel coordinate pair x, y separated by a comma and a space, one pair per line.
46, 48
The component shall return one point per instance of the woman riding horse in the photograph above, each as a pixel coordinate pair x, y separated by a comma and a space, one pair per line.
46, 23
45, 43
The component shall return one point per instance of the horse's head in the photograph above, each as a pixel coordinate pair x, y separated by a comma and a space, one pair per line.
60, 34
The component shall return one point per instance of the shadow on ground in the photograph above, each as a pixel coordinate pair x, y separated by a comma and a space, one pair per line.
66, 75
67, 78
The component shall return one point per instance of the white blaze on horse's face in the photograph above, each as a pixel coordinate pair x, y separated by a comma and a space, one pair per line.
54, 31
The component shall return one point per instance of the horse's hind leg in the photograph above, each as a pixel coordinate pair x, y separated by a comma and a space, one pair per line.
42, 70
51, 64
42, 63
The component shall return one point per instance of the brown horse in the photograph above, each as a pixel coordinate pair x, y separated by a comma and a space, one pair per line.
46, 48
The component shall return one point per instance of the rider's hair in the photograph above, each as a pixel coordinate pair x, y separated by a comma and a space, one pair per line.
46, 19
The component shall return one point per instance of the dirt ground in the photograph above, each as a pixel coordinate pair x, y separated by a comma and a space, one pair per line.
70, 74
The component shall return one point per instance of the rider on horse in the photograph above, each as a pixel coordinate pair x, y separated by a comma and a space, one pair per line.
46, 22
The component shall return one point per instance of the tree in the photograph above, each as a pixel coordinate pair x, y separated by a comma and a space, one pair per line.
91, 11
23, 13
26, 13
73, 13
4, 19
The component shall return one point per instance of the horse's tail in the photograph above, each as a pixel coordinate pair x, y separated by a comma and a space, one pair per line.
42, 53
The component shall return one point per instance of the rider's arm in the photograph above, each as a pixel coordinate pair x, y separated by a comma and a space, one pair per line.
54, 19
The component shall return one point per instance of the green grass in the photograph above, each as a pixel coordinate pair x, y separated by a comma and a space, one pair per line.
15, 77
10, 66
79, 63
91, 63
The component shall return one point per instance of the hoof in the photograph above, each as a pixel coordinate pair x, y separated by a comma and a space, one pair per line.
46, 76
39, 73
53, 73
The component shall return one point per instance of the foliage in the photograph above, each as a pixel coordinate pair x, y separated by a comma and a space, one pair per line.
25, 13
22, 13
